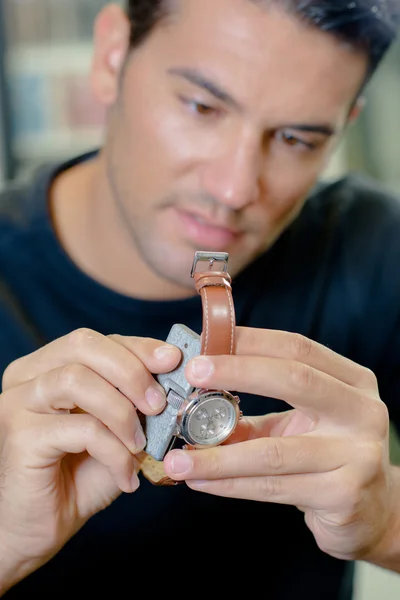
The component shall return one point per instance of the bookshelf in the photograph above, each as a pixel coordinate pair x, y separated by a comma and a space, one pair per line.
55, 144
47, 110
54, 113
7, 169
48, 60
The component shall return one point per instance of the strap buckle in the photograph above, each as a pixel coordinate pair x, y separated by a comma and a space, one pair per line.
211, 258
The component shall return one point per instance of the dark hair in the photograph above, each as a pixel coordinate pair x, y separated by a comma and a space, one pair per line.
367, 25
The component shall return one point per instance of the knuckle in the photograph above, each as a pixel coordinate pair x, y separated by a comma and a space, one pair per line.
142, 341
213, 465
7, 377
353, 499
349, 497
373, 456
83, 336
272, 455
6, 405
91, 427
60, 426
300, 346
130, 342
271, 487
367, 379
70, 376
124, 413
115, 337
302, 375
227, 486
377, 414
137, 381
9, 374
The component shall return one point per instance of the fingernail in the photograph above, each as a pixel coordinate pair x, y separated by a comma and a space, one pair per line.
181, 463
164, 352
155, 398
202, 367
140, 440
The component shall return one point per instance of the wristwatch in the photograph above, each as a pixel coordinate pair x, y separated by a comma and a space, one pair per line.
200, 417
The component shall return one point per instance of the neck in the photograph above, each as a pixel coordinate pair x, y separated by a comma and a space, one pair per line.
93, 234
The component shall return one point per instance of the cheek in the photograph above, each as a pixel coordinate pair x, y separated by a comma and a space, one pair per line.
158, 135
290, 180
147, 154
286, 189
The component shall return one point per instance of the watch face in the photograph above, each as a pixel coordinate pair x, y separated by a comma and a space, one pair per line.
210, 418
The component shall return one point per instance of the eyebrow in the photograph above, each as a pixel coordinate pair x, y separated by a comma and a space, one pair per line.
196, 77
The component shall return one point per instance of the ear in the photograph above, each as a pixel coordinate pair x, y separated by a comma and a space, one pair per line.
111, 46
357, 109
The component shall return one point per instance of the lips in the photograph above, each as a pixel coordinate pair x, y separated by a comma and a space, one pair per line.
203, 220
205, 233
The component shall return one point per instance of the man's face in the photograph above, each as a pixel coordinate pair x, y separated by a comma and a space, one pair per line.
224, 120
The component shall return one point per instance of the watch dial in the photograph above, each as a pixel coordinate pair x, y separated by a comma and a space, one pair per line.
212, 421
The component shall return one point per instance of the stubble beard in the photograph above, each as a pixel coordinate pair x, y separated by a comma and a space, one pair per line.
156, 256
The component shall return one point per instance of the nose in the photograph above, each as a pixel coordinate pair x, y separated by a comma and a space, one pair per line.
233, 176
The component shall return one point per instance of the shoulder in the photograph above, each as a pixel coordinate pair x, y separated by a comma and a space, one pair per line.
13, 203
355, 219
357, 202
23, 201
20, 206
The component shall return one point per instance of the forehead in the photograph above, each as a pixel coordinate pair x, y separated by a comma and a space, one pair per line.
258, 52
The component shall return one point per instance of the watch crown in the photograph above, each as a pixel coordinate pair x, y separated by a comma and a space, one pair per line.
175, 400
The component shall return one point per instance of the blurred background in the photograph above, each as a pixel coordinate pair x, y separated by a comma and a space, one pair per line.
47, 110
47, 113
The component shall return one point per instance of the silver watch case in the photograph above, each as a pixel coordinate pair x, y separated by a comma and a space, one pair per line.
209, 418
183, 417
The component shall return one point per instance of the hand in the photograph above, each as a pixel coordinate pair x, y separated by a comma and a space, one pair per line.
329, 456
69, 432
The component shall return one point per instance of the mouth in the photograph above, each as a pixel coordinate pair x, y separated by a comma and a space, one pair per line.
204, 232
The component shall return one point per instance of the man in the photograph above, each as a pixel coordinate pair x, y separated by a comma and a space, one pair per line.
221, 117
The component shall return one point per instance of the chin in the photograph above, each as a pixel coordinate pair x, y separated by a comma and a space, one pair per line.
172, 264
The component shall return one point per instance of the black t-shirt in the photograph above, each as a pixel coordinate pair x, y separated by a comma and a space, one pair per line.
334, 276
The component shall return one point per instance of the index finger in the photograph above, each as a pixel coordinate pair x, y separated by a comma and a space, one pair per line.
111, 354
296, 347
314, 393
128, 364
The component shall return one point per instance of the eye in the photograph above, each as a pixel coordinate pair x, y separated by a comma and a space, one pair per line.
289, 139
202, 109
199, 108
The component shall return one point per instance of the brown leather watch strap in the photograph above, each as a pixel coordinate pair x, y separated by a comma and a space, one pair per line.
153, 470
213, 283
218, 333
